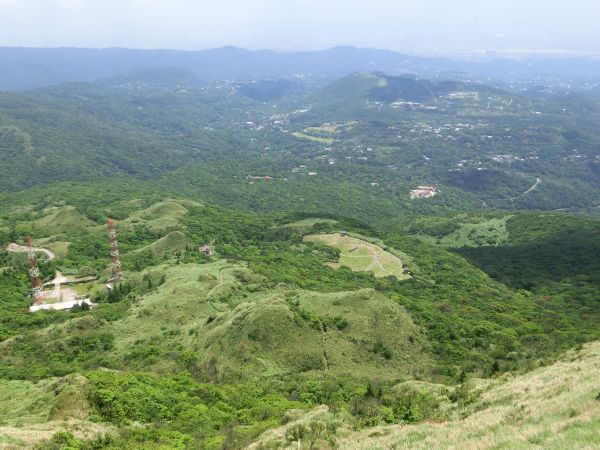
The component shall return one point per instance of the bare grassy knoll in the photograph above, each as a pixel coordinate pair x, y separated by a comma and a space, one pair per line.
360, 255
31, 412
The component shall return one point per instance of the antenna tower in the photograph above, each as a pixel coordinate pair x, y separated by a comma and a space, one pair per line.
114, 252
34, 273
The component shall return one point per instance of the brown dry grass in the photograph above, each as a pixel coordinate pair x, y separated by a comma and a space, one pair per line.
553, 407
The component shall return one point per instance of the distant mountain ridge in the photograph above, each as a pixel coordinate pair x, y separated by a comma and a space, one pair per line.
27, 68
380, 87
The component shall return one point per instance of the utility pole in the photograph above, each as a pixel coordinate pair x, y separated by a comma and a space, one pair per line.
34, 273
114, 253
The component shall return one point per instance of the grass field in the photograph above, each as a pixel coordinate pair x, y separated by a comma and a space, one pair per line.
322, 140
166, 246
59, 248
62, 219
487, 232
160, 216
361, 256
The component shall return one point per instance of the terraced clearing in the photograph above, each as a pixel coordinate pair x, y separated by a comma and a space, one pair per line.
322, 140
360, 255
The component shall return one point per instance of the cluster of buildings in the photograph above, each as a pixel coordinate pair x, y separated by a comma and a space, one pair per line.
423, 192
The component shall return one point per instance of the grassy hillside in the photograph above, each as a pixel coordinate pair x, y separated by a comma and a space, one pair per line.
553, 407
460, 310
213, 351
336, 308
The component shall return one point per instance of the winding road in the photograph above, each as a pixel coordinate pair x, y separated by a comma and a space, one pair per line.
60, 293
16, 248
538, 181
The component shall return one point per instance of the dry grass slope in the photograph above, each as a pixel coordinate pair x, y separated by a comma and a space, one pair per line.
31, 412
62, 219
554, 407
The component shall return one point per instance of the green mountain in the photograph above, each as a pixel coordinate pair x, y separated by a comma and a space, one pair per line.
368, 137
27, 68
376, 260
184, 336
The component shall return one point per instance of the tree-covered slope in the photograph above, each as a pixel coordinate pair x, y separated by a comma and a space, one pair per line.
366, 138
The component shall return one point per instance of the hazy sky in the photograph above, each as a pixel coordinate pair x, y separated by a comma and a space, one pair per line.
417, 25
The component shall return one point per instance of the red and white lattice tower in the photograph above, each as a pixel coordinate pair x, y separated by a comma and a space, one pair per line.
34, 273
114, 252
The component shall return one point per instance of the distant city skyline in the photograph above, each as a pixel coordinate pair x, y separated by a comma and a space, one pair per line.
466, 27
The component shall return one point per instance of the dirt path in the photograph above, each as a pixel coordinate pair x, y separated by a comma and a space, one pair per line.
538, 181
219, 284
377, 262
16, 248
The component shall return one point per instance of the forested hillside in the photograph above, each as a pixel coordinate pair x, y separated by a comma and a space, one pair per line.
368, 138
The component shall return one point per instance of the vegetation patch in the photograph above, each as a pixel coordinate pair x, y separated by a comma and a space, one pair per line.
556, 408
361, 256
62, 219
452, 233
167, 245
322, 140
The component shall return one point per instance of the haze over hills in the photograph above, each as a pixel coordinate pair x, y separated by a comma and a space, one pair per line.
26, 68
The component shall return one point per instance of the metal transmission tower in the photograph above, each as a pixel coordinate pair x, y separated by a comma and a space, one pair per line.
34, 273
114, 252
